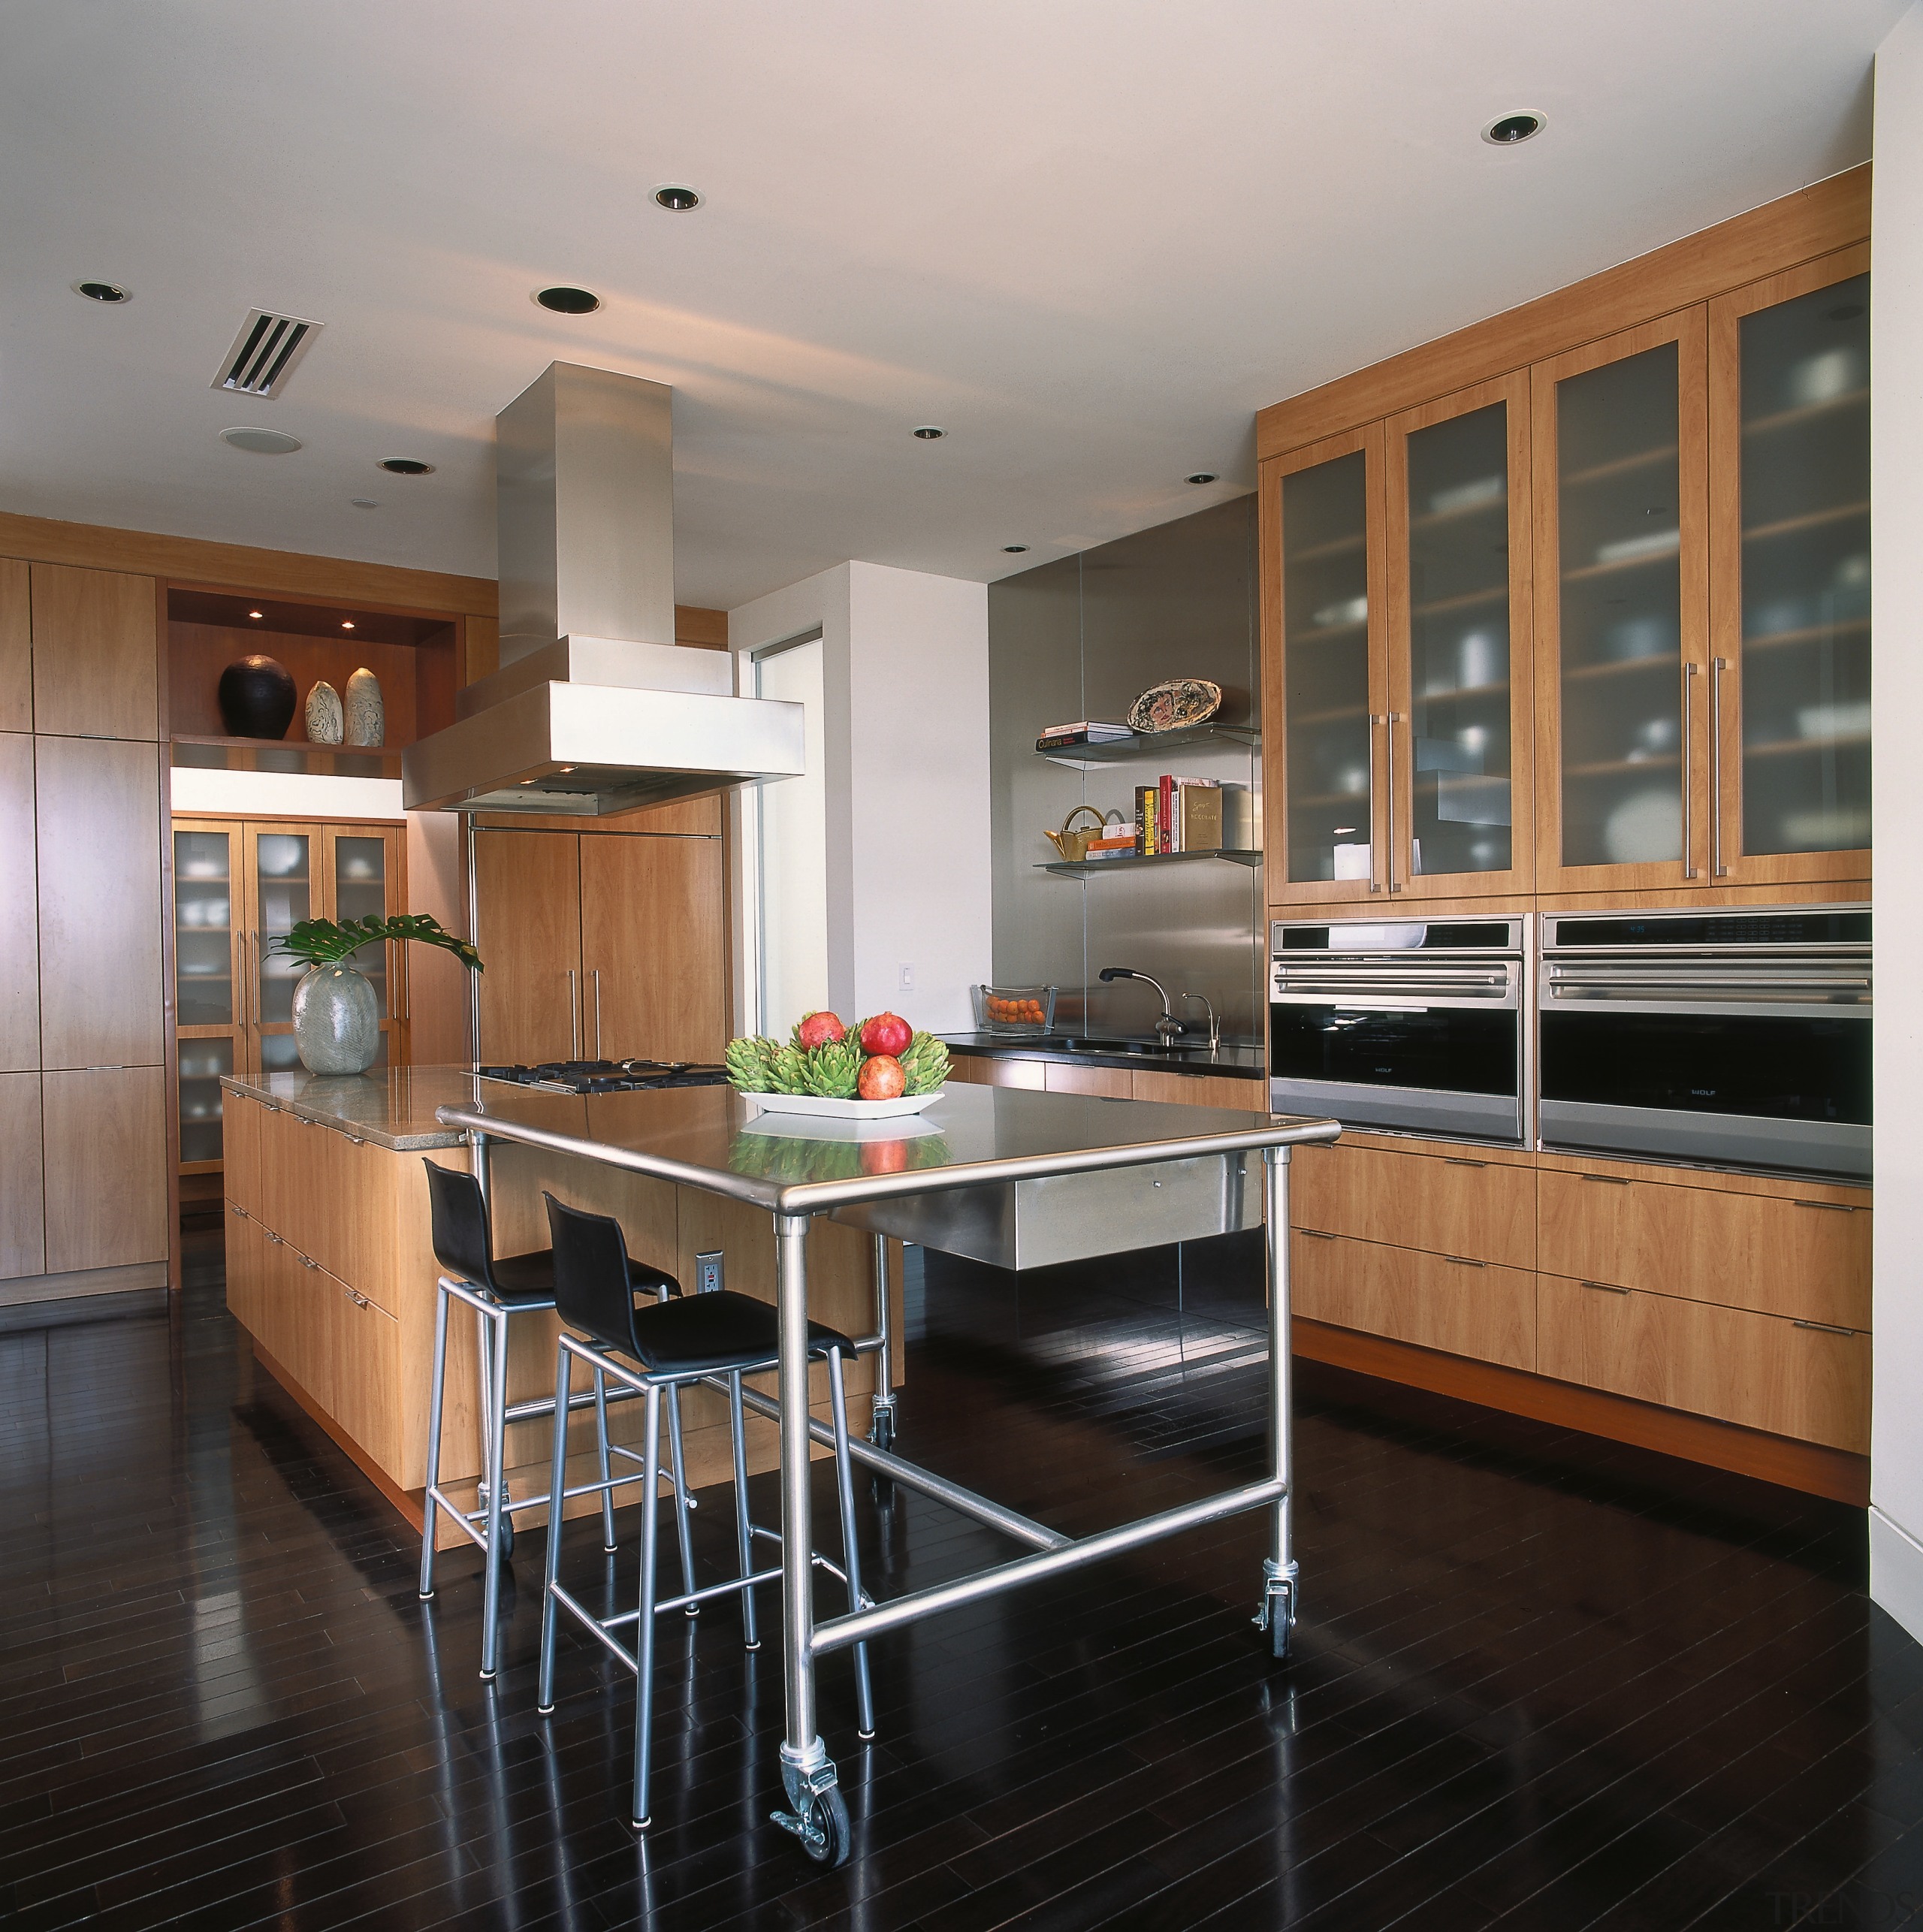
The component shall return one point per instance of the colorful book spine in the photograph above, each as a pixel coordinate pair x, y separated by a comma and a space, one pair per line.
1147, 798
1165, 814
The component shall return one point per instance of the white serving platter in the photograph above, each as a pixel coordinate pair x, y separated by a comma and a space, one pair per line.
831, 1110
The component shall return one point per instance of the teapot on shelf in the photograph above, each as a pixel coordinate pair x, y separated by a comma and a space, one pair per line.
1072, 840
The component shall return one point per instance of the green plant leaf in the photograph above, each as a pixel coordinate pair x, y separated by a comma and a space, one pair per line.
322, 942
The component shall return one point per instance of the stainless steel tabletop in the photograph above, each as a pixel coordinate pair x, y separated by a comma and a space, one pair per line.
973, 1137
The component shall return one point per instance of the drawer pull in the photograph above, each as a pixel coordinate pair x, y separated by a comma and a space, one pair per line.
1827, 1207
1822, 1327
1452, 1162
359, 1139
274, 1237
1464, 1261
303, 1261
1316, 1234
234, 1207
358, 1300
1606, 1287
1607, 1180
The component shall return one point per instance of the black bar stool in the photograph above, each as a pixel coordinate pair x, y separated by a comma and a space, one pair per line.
716, 1337
497, 1288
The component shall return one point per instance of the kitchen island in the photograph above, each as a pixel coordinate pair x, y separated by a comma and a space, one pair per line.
330, 1269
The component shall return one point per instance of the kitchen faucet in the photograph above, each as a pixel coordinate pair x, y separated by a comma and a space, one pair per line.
1214, 1025
1167, 1026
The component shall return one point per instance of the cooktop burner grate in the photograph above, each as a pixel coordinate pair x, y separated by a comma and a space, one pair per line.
610, 1076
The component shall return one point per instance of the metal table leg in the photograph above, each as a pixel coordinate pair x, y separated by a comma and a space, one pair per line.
1279, 1605
818, 1816
881, 1428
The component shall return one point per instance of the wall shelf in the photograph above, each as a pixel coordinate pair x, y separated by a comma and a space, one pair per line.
286, 754
1147, 744
1080, 868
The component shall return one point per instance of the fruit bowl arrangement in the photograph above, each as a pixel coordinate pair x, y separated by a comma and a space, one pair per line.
881, 1067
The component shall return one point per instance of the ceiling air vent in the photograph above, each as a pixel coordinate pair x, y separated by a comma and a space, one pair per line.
264, 353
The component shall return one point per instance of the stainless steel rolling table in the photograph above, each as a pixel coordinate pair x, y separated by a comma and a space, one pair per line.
1018, 1178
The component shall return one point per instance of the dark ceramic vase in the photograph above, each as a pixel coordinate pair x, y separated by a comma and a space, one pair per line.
256, 697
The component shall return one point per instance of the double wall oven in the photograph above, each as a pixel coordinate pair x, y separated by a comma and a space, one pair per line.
1733, 1037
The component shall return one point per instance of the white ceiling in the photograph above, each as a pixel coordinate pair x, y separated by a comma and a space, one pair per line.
1091, 237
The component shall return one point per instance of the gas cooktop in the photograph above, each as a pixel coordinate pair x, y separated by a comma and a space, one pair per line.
609, 1076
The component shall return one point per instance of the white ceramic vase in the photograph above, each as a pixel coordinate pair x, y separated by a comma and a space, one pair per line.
336, 1020
323, 715
367, 716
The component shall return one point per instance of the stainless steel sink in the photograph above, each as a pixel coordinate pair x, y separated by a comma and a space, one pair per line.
1154, 1049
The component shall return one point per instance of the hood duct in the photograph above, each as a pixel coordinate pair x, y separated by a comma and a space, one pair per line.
595, 708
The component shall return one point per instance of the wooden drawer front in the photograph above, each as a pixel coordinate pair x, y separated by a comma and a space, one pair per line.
246, 1269
1709, 1245
1759, 1370
1202, 1089
241, 1150
1445, 1204
362, 1343
979, 1070
1463, 1309
1108, 1083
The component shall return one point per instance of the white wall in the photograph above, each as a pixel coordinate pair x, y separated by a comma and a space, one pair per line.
905, 666
1896, 486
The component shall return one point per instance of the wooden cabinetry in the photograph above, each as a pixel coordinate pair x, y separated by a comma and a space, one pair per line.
238, 885
16, 647
23, 1225
1121, 1083
1661, 524
601, 945
104, 1133
1445, 1301
1463, 1201
20, 907
96, 654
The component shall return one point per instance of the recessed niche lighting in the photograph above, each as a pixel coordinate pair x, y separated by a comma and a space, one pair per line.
929, 432
566, 301
1202, 476
1511, 128
109, 292
253, 613
261, 442
364, 502
347, 624
676, 197
405, 466
1013, 549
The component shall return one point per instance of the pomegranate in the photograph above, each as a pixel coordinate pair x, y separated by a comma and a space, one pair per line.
881, 1078
819, 1029
888, 1034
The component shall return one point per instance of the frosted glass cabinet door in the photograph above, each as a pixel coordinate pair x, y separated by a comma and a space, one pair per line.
1789, 415
281, 893
1620, 463
210, 988
363, 866
1460, 719
1326, 803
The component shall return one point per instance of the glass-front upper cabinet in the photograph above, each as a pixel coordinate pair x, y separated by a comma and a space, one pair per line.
1460, 724
208, 987
281, 893
362, 872
1789, 498
1326, 787
1620, 458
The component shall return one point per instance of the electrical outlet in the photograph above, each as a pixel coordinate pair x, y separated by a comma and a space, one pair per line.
904, 982
708, 1274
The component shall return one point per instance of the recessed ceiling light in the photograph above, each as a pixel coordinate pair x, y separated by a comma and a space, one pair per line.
1512, 128
676, 197
102, 291
929, 432
1013, 549
364, 502
1202, 476
405, 466
261, 442
347, 624
566, 301
253, 613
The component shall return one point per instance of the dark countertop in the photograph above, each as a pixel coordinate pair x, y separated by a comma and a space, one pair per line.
1227, 1061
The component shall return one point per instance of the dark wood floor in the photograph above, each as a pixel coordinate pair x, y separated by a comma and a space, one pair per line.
1542, 1681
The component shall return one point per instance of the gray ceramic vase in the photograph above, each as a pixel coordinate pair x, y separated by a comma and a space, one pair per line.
336, 1020
324, 714
367, 716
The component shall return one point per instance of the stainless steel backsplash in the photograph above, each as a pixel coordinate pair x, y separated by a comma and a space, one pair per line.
1082, 638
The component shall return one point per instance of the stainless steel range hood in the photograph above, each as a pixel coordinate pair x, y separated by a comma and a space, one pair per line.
595, 708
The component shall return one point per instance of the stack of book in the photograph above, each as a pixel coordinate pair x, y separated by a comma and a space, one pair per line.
1085, 731
1178, 815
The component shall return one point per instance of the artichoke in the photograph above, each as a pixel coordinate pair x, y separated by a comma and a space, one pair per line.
924, 1062
787, 1070
832, 1070
747, 1061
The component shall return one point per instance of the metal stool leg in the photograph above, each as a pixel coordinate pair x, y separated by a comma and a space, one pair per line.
681, 1503
557, 1479
851, 1559
601, 1442
437, 1396
644, 1635
495, 1429
744, 1536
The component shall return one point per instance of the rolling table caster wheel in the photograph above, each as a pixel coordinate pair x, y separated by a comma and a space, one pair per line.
881, 1429
507, 1537
826, 1838
1281, 1632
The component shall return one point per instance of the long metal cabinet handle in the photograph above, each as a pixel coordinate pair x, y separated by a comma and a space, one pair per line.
1390, 721
1718, 665
1825, 1207
574, 1011
1606, 1287
1823, 1327
1373, 722
597, 972
1689, 712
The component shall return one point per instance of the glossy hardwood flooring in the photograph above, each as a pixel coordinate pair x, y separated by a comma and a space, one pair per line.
1543, 1681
